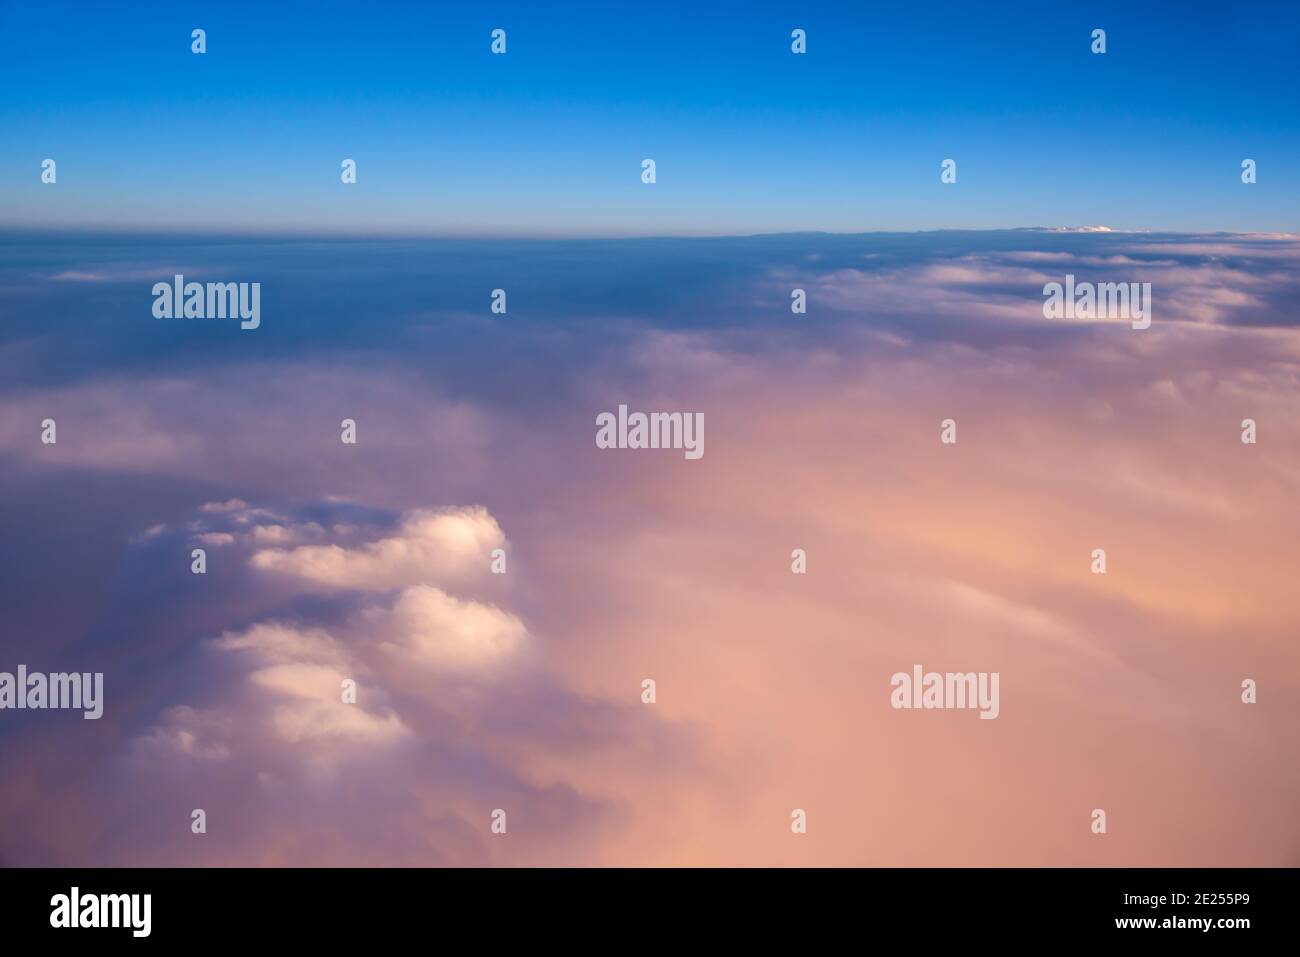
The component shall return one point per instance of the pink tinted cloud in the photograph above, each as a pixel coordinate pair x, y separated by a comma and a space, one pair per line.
523, 691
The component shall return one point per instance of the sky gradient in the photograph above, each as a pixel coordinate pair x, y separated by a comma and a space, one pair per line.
548, 139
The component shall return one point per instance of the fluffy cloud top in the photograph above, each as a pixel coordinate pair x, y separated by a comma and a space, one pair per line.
428, 627
291, 690
429, 545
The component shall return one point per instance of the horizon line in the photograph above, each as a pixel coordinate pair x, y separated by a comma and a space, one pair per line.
10, 231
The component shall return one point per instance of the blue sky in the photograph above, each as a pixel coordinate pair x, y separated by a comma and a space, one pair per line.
548, 139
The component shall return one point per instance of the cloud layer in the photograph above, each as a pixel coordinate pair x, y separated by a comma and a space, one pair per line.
329, 563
